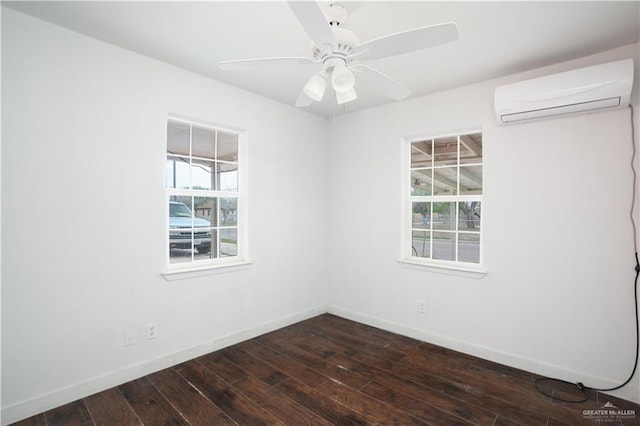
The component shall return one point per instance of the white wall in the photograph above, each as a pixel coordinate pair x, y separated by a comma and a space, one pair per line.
83, 130
558, 247
82, 247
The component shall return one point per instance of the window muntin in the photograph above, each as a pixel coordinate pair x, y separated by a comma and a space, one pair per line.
445, 200
203, 190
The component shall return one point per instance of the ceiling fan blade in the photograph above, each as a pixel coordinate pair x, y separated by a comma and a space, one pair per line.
303, 100
409, 41
263, 62
381, 82
313, 21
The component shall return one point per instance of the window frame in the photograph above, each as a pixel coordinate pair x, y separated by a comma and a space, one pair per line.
407, 257
213, 265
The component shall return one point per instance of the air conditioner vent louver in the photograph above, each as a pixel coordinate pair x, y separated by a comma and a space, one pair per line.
585, 89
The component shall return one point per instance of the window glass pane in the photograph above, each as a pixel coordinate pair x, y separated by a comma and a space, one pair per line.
445, 151
203, 238
202, 174
421, 215
442, 216
471, 148
469, 247
421, 182
204, 209
421, 154
469, 215
228, 242
205, 217
177, 138
445, 181
470, 180
227, 176
180, 211
177, 173
227, 146
228, 212
420, 244
180, 246
180, 229
203, 142
444, 246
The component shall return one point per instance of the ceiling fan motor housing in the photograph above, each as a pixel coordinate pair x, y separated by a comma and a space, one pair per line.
336, 14
346, 42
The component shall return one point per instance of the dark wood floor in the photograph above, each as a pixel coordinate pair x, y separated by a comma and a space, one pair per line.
328, 370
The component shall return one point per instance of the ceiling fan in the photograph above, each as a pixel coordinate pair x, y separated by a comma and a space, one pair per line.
341, 54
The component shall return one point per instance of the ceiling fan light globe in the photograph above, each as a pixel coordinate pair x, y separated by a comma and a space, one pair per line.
348, 96
342, 79
316, 87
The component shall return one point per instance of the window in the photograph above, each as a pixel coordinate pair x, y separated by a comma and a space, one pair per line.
444, 201
204, 196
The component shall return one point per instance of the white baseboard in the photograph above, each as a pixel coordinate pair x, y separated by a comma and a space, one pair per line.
631, 392
65, 395
28, 408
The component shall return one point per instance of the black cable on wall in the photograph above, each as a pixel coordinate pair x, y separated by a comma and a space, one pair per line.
583, 389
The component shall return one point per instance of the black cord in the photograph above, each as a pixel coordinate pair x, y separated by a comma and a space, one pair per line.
581, 387
552, 381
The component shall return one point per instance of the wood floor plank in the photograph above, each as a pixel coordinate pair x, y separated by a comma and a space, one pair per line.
252, 365
503, 388
509, 409
150, 406
342, 335
229, 399
37, 420
505, 382
186, 399
433, 351
72, 414
326, 408
290, 367
322, 346
110, 408
416, 407
466, 372
330, 370
435, 397
473, 370
283, 407
223, 367
394, 341
554, 422
324, 366
502, 421
380, 412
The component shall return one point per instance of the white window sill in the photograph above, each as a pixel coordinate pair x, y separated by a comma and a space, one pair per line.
458, 270
194, 271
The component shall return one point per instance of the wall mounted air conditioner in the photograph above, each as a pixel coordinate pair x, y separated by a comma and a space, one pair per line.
585, 89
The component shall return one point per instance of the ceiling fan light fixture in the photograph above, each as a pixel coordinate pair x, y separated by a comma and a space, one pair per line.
339, 51
316, 87
342, 79
348, 96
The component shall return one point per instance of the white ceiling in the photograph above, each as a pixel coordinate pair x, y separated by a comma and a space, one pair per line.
496, 38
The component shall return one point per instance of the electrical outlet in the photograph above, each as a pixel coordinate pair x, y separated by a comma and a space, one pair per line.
151, 330
129, 337
422, 306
